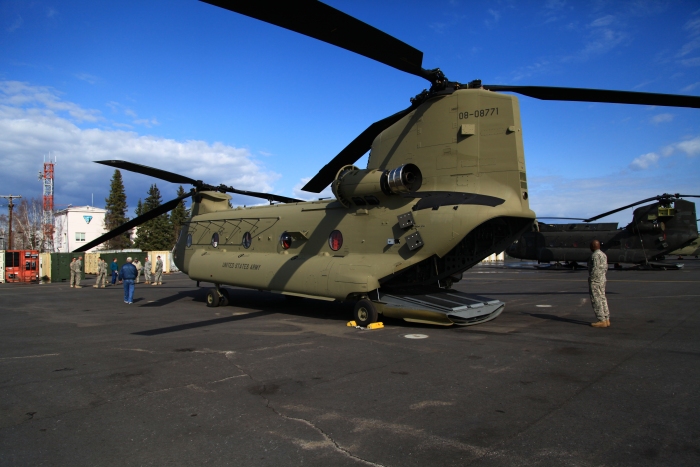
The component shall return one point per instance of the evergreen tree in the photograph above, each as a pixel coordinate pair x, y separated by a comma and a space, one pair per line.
178, 216
156, 234
139, 208
115, 216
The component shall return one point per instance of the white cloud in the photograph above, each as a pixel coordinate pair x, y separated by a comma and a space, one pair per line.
537, 68
495, 16
604, 21
601, 41
690, 147
147, 122
689, 47
18, 95
305, 195
693, 26
34, 122
691, 62
690, 87
662, 118
88, 78
644, 161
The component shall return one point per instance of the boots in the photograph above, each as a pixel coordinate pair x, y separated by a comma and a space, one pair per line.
94, 286
600, 324
608, 322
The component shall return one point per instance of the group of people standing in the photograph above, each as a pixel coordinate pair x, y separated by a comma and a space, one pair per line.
128, 275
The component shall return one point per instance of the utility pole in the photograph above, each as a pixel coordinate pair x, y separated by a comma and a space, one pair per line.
9, 207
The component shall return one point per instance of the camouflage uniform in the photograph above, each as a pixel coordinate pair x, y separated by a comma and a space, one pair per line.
597, 268
75, 268
147, 268
139, 267
159, 272
101, 274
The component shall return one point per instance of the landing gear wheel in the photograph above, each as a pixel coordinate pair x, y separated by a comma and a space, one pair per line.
213, 298
365, 313
225, 298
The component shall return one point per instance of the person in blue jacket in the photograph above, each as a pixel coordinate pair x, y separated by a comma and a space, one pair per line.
114, 267
127, 276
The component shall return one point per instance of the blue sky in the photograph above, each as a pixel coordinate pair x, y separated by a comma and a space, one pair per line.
188, 87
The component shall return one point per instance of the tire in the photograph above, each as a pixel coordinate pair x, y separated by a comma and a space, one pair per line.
225, 298
213, 299
365, 313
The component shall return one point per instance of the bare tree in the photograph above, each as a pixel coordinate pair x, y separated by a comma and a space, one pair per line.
3, 232
27, 228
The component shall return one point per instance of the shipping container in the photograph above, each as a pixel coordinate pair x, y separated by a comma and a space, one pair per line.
60, 266
21, 265
45, 267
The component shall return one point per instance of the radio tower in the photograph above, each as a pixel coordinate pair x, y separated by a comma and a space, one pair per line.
47, 218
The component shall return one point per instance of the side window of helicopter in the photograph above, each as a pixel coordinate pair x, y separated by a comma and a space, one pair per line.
215, 240
335, 240
247, 239
286, 240
189, 240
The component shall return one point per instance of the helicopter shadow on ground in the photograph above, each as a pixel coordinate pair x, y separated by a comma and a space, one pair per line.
199, 324
495, 294
195, 295
557, 318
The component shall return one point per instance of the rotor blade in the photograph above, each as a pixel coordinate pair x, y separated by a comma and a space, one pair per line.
267, 196
653, 198
150, 171
152, 214
599, 95
564, 218
353, 151
320, 21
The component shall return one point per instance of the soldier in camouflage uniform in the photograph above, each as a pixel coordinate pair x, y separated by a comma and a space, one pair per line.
139, 267
72, 272
76, 267
157, 280
101, 273
147, 270
597, 268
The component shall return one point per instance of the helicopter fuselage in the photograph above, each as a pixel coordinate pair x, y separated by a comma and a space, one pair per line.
467, 147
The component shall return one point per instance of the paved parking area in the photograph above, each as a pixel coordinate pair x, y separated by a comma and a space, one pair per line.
88, 380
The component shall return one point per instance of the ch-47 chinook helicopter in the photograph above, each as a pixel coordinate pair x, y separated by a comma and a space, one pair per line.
656, 230
445, 186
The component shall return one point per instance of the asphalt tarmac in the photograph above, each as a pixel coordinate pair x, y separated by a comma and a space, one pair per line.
87, 380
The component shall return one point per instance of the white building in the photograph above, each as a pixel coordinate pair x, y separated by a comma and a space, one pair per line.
78, 225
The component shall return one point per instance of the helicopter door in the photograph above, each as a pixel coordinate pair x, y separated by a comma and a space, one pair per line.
317, 283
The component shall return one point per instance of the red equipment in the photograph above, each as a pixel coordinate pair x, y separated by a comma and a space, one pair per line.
21, 265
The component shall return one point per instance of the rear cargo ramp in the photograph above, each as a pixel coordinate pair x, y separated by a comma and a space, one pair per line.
443, 308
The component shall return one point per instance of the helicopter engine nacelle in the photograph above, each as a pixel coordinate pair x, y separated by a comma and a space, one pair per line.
370, 186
